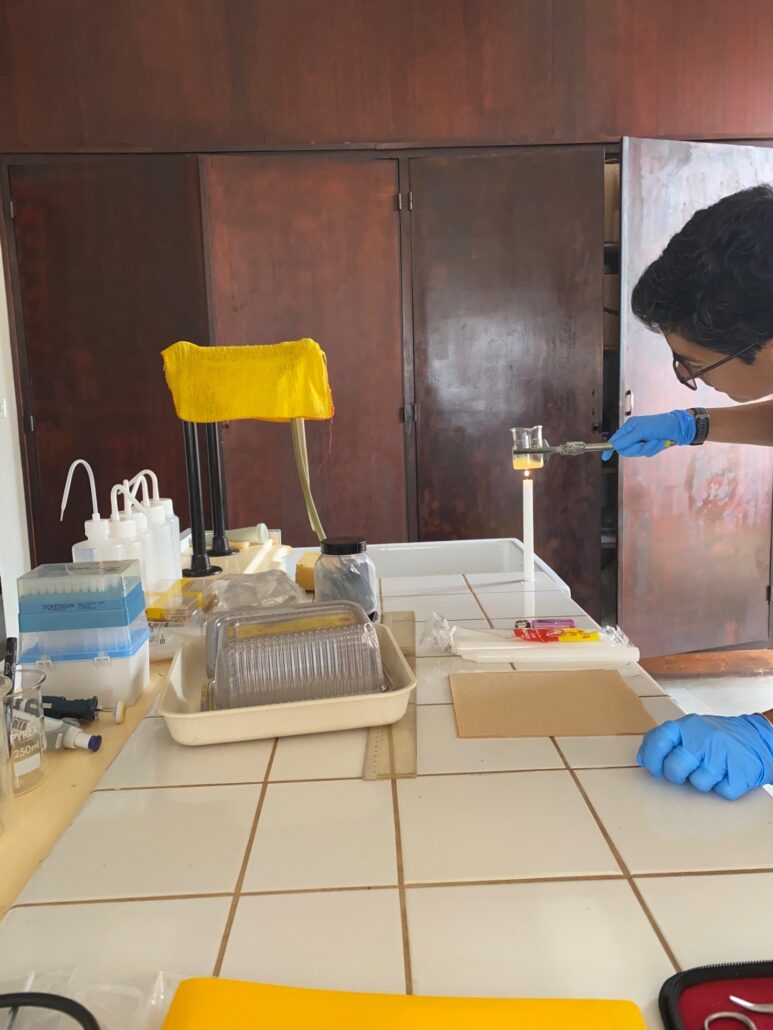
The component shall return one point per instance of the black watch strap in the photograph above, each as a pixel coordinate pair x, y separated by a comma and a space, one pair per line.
701, 426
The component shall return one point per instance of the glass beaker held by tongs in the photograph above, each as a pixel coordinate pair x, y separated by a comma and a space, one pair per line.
531, 450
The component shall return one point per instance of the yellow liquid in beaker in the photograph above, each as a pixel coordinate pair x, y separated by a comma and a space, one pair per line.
523, 462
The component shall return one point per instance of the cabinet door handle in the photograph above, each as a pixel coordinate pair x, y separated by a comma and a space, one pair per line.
628, 403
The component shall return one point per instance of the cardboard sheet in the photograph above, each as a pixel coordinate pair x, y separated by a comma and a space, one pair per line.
579, 703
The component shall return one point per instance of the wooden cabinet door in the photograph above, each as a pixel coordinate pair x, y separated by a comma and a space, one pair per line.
507, 296
110, 272
309, 246
695, 523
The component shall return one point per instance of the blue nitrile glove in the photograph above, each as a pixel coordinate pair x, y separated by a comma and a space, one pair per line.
645, 435
729, 755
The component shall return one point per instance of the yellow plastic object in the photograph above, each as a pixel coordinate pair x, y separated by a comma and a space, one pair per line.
304, 571
204, 1004
273, 382
298, 625
177, 601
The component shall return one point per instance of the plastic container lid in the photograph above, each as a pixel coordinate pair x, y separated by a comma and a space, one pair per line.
344, 545
84, 646
102, 579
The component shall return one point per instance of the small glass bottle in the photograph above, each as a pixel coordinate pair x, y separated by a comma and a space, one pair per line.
344, 572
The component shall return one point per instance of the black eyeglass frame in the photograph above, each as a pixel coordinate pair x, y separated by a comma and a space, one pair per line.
690, 381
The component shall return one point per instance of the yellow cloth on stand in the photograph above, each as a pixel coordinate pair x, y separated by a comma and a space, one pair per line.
205, 1004
273, 382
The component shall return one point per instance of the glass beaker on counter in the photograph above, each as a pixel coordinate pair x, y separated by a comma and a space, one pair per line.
344, 572
6, 782
23, 723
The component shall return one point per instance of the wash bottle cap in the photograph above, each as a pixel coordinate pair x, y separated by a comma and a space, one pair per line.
132, 509
96, 527
121, 527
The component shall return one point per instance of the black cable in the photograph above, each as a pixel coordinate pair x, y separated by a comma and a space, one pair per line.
53, 1002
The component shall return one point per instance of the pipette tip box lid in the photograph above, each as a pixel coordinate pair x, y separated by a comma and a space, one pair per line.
80, 596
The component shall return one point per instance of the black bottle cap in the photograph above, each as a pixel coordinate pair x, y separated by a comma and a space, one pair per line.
344, 545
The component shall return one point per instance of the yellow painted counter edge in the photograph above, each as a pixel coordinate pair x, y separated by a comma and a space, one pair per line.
41, 817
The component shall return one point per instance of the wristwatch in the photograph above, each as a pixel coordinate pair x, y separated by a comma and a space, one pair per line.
701, 426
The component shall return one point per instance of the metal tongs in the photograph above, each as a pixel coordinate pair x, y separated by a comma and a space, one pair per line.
571, 449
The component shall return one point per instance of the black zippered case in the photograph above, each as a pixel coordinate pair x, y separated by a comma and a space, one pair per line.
688, 998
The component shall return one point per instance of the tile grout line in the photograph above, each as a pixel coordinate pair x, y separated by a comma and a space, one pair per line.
407, 967
362, 888
418, 885
682, 873
120, 901
518, 881
624, 868
178, 786
348, 779
243, 870
478, 601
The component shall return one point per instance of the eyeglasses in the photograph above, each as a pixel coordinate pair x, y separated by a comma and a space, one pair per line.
689, 380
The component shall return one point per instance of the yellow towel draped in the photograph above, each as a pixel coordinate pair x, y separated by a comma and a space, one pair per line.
271, 382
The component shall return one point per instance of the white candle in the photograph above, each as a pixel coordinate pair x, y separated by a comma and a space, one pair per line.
528, 528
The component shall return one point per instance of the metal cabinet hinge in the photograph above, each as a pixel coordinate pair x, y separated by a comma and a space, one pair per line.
30, 423
13, 210
402, 204
768, 593
409, 413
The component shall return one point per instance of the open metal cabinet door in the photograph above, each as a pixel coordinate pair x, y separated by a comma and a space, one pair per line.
694, 522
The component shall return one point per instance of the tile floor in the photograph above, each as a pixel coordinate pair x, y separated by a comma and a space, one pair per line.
503, 861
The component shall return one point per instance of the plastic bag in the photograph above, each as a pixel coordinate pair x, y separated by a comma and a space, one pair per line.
167, 637
438, 635
264, 589
560, 647
140, 1005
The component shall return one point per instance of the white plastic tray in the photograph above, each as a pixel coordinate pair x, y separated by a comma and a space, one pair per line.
180, 704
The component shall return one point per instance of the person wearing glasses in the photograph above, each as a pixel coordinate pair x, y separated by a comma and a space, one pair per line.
710, 293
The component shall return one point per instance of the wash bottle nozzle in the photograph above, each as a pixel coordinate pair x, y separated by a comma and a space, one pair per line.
96, 527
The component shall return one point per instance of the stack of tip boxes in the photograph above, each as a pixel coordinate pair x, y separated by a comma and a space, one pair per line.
84, 626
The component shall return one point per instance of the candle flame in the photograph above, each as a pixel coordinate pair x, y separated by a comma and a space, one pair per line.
526, 474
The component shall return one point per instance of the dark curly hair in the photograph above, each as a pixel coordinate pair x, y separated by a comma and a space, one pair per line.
713, 284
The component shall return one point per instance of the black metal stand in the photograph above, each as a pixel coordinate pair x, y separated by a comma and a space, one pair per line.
219, 548
200, 564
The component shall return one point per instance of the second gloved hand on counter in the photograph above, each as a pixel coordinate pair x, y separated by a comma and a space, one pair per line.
646, 435
730, 755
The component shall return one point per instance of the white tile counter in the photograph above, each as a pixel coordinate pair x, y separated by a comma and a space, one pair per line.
506, 867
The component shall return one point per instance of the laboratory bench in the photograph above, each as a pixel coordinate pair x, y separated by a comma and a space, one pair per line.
510, 867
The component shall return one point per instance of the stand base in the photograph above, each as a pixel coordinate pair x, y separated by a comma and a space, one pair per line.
200, 567
220, 549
